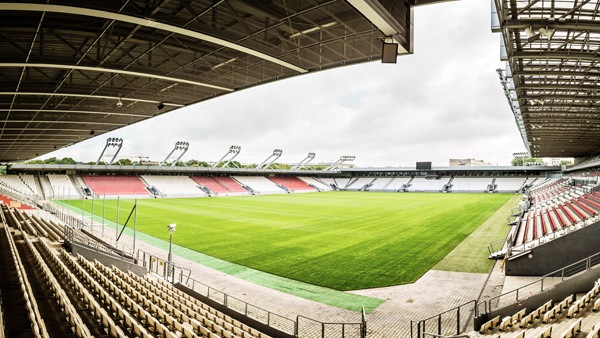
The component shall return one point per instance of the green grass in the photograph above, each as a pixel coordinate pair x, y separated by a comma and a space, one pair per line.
471, 255
339, 240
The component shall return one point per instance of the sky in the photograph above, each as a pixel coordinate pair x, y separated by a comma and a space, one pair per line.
444, 101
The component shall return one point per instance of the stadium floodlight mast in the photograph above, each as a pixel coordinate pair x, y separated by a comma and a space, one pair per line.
344, 158
171, 228
111, 142
179, 145
235, 150
271, 159
304, 162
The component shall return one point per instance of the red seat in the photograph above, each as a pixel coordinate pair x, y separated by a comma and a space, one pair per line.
292, 183
115, 185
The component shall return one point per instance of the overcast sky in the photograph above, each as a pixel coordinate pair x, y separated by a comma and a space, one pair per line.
444, 101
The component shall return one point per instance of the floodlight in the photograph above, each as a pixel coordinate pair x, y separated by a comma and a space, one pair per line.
534, 102
547, 32
530, 32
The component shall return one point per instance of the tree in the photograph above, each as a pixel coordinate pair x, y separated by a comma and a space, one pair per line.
524, 161
196, 163
282, 166
517, 161
124, 161
234, 164
566, 163
316, 167
66, 160
54, 160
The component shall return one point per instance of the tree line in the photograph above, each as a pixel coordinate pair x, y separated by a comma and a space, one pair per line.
189, 163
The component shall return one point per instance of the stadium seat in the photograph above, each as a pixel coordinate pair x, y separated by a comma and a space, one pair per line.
292, 183
115, 185
573, 330
490, 325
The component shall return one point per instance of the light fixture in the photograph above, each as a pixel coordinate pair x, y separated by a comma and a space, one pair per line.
160, 106
547, 32
223, 63
119, 103
168, 87
530, 32
533, 102
313, 29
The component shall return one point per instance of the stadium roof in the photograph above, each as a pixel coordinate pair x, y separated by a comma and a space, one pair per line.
71, 70
552, 76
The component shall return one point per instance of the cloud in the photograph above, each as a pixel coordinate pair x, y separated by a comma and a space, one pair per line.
445, 101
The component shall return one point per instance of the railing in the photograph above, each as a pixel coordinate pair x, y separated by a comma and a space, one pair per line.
301, 327
516, 249
73, 235
442, 336
169, 271
18, 196
257, 313
77, 223
307, 327
450, 322
538, 286
493, 246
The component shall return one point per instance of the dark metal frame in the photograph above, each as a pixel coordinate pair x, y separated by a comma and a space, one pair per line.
71, 70
551, 50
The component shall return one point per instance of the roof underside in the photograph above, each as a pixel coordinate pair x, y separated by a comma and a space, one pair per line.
64, 65
552, 49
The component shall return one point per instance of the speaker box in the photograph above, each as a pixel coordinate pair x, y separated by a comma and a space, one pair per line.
389, 52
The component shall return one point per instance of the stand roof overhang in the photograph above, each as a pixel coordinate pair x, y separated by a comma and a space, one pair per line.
552, 50
71, 70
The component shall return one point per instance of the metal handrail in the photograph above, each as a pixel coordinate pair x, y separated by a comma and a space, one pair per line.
274, 320
544, 239
492, 245
324, 324
571, 269
78, 224
421, 323
226, 301
442, 336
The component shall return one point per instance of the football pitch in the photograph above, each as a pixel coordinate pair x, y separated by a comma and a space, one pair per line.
339, 240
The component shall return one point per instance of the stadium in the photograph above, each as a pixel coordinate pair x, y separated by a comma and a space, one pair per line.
168, 248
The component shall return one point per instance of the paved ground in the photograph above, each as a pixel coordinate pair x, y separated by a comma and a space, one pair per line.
432, 294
